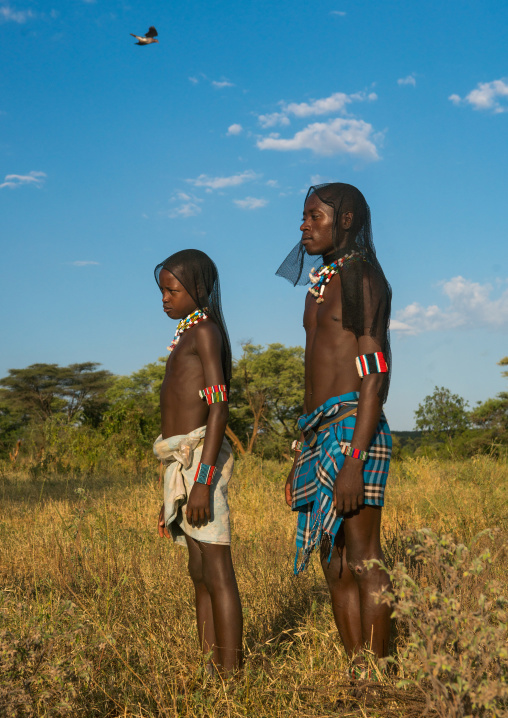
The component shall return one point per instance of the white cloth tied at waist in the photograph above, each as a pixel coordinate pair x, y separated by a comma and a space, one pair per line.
179, 450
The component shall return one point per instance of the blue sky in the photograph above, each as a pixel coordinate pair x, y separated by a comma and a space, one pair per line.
113, 156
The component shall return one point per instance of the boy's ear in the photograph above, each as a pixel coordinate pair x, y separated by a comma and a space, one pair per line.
346, 220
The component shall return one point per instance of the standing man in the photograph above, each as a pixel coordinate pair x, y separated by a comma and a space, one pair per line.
341, 461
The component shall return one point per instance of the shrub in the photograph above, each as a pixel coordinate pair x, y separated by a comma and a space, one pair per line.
455, 624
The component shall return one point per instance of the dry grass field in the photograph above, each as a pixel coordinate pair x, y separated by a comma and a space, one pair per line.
97, 611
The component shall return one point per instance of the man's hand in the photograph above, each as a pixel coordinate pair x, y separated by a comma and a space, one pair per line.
162, 525
348, 490
288, 489
198, 505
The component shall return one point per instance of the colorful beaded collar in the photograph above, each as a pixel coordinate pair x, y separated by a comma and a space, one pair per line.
322, 276
186, 323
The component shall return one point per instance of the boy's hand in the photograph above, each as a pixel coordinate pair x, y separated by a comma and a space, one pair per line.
348, 490
288, 489
162, 525
198, 505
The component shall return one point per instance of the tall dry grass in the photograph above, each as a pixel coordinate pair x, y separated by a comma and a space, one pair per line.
98, 618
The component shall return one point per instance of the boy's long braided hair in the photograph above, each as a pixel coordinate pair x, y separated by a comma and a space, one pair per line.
198, 274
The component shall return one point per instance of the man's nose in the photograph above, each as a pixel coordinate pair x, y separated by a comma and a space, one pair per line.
304, 225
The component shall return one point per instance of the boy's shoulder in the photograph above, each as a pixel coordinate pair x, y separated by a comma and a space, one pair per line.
207, 333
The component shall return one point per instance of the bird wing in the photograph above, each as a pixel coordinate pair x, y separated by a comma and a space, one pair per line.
152, 32
136, 36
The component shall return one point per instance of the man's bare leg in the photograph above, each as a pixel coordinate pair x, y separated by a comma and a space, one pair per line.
361, 621
344, 594
218, 603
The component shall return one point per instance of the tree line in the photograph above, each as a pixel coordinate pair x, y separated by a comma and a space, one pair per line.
265, 401
86, 407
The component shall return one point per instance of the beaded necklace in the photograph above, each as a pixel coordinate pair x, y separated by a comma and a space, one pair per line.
321, 276
186, 323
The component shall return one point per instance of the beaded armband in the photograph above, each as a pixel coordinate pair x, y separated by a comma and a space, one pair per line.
297, 445
371, 364
204, 474
354, 453
214, 394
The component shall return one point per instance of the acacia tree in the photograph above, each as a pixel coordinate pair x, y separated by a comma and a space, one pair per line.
266, 397
493, 413
41, 391
442, 414
134, 400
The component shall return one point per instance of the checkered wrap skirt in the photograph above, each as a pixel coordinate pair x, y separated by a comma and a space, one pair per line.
318, 466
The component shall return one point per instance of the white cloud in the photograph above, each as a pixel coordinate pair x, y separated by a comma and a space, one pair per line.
251, 203
194, 80
36, 179
336, 102
274, 118
235, 129
470, 305
409, 80
339, 136
272, 183
8, 14
83, 263
485, 96
188, 207
219, 84
223, 182
340, 13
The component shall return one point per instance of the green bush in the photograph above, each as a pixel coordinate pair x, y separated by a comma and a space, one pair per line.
453, 624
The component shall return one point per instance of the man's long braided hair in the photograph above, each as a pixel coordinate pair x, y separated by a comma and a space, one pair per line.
366, 294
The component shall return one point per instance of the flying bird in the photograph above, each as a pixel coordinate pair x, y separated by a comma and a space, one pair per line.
148, 38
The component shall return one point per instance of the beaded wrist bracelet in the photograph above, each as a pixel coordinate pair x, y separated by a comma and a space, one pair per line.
204, 474
214, 394
354, 453
371, 364
297, 445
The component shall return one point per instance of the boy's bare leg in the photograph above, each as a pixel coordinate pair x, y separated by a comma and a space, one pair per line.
359, 617
204, 613
217, 593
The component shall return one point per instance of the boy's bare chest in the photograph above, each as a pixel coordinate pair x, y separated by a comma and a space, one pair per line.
182, 367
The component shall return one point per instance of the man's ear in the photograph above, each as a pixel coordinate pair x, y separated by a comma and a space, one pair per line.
346, 220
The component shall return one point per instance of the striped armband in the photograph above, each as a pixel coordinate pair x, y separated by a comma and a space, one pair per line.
204, 474
371, 364
214, 394
354, 453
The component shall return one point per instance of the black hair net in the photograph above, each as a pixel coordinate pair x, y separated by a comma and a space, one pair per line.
366, 294
198, 274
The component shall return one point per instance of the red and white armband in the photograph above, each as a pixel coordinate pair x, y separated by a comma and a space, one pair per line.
371, 364
214, 394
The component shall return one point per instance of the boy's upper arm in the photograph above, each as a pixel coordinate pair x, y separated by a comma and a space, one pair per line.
209, 349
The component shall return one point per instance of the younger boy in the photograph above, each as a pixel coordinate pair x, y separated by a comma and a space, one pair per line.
199, 460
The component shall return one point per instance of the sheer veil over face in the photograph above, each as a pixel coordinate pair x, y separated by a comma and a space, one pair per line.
366, 294
198, 274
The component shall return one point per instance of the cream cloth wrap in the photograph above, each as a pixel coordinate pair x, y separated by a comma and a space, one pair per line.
181, 455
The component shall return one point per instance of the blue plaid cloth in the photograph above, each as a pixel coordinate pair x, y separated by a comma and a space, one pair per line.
318, 466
